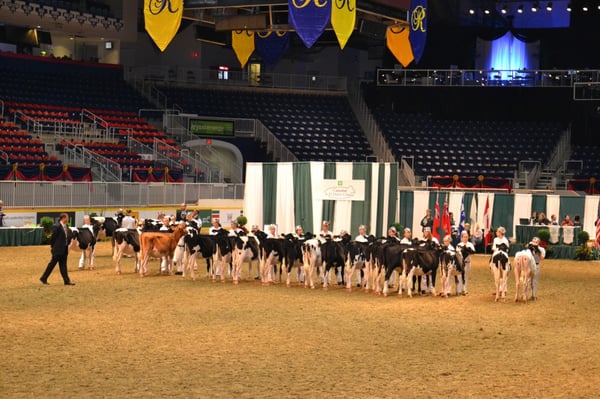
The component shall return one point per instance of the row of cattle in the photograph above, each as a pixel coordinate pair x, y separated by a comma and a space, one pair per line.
374, 260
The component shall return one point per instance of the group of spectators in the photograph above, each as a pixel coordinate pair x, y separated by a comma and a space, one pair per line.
541, 220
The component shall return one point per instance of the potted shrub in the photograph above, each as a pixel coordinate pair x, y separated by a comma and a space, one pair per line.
583, 251
544, 236
47, 222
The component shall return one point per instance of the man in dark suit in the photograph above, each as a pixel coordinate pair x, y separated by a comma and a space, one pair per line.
59, 249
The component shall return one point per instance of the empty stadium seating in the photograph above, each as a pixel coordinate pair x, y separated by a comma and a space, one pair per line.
445, 146
313, 127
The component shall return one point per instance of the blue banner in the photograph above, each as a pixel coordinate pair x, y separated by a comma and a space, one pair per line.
418, 27
271, 46
309, 18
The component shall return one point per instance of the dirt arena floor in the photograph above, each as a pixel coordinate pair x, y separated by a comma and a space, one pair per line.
162, 336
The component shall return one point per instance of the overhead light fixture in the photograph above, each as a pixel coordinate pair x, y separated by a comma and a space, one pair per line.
520, 9
486, 11
585, 8
504, 9
569, 8
471, 11
549, 6
535, 7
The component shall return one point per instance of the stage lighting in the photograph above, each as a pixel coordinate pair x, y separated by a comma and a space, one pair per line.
549, 6
520, 9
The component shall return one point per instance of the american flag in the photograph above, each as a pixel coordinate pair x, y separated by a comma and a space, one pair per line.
597, 243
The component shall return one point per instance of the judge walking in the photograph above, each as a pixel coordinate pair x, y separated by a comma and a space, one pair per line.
59, 244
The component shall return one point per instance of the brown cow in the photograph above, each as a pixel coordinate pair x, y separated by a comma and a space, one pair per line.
157, 245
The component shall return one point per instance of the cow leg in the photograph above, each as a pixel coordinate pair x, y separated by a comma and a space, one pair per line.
534, 283
82, 260
92, 256
410, 277
349, 277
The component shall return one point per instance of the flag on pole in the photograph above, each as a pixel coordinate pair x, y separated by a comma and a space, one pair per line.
473, 212
486, 222
597, 241
436, 219
461, 223
446, 224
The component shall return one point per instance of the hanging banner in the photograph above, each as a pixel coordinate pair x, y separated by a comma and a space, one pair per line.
243, 45
418, 28
343, 18
162, 19
271, 46
309, 18
396, 38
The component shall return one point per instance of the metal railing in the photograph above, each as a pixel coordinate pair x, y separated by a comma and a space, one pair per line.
180, 75
112, 194
530, 170
369, 125
485, 77
103, 169
97, 127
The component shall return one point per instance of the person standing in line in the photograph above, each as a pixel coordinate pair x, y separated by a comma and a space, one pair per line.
2, 214
407, 238
128, 221
59, 244
181, 214
427, 221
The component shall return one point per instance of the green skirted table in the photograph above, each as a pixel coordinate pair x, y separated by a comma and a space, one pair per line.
525, 233
17, 236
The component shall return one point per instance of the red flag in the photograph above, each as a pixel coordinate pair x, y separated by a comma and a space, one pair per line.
598, 231
486, 223
436, 220
446, 225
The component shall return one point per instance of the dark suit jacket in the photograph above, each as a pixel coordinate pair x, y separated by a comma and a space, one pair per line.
58, 240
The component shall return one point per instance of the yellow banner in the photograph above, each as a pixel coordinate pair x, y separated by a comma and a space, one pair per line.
396, 38
343, 18
243, 45
162, 19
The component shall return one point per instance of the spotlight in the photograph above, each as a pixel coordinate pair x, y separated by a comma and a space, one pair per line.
486, 11
549, 6
535, 7
504, 9
585, 8
520, 9
471, 11
569, 7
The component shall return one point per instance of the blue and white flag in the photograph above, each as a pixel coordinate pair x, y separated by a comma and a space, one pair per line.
461, 224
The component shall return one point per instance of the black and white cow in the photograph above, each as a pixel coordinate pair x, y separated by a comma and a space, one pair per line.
273, 255
127, 242
311, 256
245, 248
422, 261
500, 267
196, 243
451, 268
84, 238
358, 259
333, 255
222, 255
392, 258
